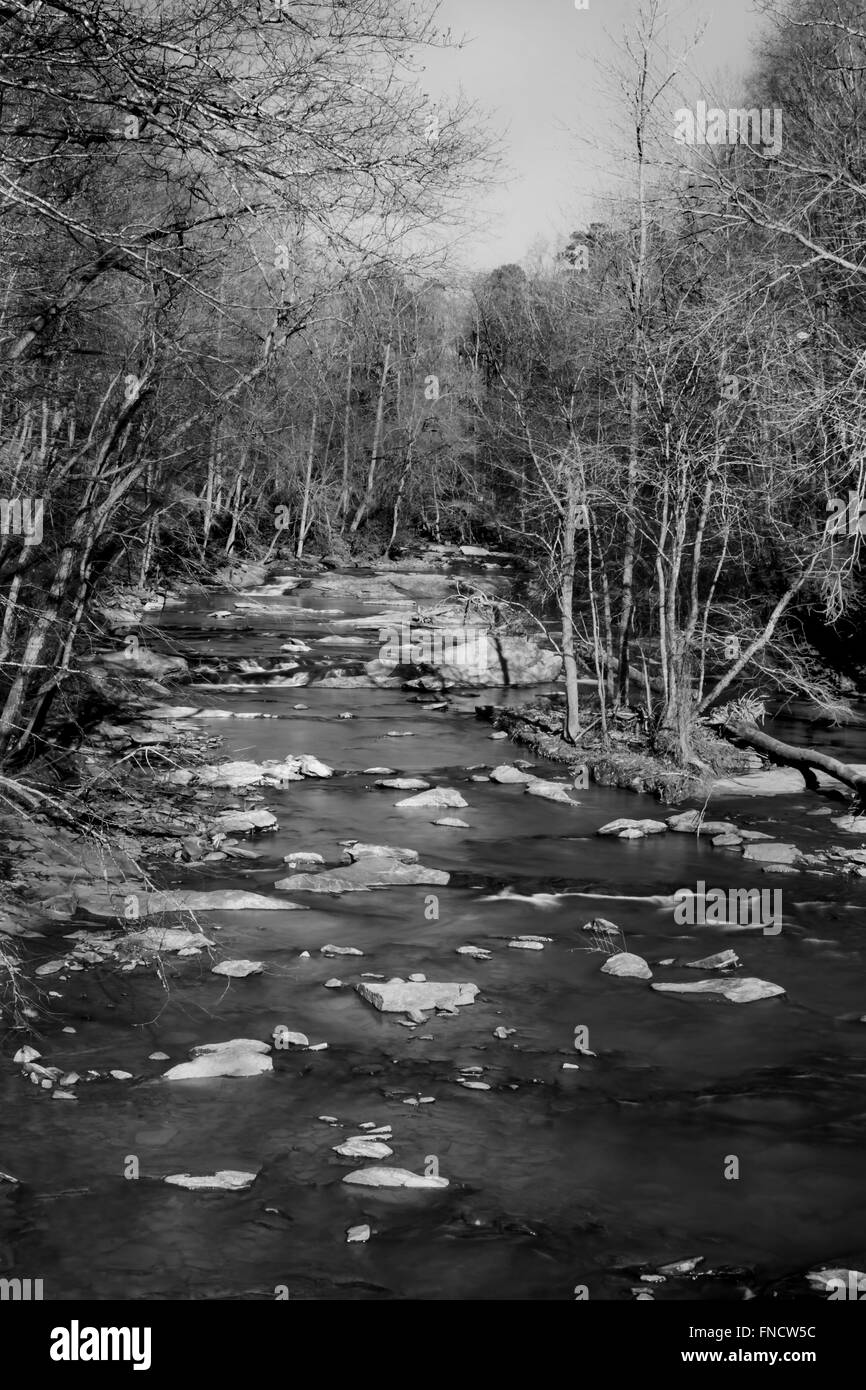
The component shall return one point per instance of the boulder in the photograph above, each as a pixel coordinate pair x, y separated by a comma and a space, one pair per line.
399, 996
628, 966
436, 796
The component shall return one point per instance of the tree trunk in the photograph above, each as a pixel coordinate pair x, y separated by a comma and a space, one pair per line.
803, 759
364, 504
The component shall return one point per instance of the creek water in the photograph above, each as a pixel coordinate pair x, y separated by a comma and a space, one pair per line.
558, 1178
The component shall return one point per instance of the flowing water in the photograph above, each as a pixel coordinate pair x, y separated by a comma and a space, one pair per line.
558, 1178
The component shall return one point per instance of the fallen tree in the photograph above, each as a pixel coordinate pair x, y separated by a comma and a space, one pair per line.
805, 760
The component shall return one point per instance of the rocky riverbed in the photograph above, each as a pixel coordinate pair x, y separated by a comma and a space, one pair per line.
348, 997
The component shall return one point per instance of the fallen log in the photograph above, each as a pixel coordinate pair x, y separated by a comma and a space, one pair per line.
805, 760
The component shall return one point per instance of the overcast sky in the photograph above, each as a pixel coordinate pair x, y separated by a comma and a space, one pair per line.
540, 67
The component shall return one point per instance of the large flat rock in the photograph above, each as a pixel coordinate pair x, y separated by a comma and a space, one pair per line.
370, 871
739, 991
399, 996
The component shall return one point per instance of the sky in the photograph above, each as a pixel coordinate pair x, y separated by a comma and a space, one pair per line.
540, 68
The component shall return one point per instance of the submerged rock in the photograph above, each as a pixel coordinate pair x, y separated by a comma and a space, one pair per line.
226, 1180
738, 991
401, 996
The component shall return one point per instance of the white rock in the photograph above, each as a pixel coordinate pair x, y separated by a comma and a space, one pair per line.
404, 784
357, 1235
628, 965
399, 996
477, 952
526, 945
417, 979
238, 969
739, 991
363, 1148
158, 1057
283, 1037
501, 1032
646, 827
551, 791
226, 1180
340, 951
26, 1054
453, 822
237, 1057
436, 796
242, 822
505, 773
772, 853
121, 1075
334, 984
219, 900
300, 858
723, 960
392, 1177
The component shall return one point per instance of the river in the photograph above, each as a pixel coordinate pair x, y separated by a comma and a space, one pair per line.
560, 1180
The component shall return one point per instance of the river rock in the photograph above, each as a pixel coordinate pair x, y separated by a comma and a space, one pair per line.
627, 965
722, 960
404, 784
243, 822
144, 662
330, 950
363, 1148
506, 774
646, 827
237, 1057
452, 822
166, 940
392, 1177
551, 791
238, 969
401, 996
370, 871
284, 1037
727, 841
356, 849
494, 660
856, 825
519, 944
226, 1180
436, 796
691, 822
357, 1235
739, 991
772, 853
295, 860
476, 952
